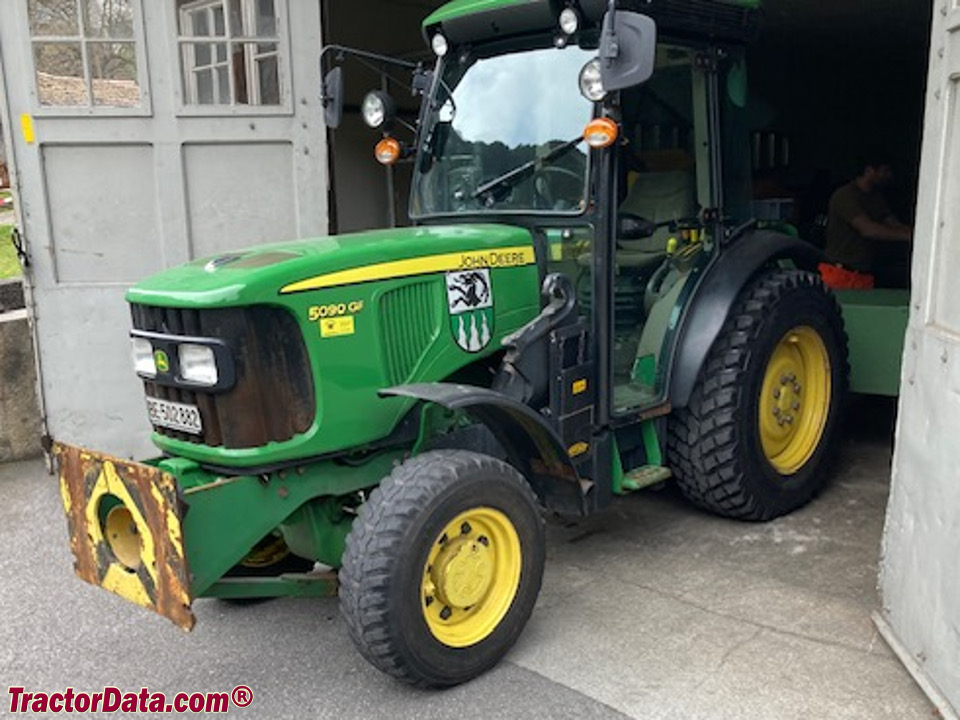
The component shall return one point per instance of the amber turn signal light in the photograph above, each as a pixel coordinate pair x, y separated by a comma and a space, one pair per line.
600, 133
387, 151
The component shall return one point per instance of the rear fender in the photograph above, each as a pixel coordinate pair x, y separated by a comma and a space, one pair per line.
718, 291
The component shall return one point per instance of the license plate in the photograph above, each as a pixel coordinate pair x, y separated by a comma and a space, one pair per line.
174, 415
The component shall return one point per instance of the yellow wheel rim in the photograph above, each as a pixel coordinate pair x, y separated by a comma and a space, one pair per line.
795, 399
123, 538
269, 551
471, 577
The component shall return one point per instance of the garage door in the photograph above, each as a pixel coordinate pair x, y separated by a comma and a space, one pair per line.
144, 134
920, 578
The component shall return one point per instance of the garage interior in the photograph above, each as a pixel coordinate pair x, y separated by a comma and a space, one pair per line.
827, 83
653, 609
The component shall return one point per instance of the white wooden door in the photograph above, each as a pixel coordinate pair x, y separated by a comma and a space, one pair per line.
920, 575
147, 133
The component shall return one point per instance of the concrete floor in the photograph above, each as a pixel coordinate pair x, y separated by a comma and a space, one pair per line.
653, 610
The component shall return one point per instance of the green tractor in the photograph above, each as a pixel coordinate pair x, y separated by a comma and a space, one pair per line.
583, 308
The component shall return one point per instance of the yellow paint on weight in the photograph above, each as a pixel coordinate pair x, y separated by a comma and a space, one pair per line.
578, 448
336, 327
579, 386
26, 125
447, 262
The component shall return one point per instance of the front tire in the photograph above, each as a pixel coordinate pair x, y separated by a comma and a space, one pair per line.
761, 424
442, 567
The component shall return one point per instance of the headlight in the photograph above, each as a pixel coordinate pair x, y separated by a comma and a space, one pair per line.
591, 86
439, 45
377, 109
198, 364
569, 21
143, 361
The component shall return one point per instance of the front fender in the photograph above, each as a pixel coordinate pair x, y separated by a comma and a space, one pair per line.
531, 444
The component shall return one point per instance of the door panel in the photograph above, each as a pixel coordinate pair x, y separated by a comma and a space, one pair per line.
226, 203
104, 223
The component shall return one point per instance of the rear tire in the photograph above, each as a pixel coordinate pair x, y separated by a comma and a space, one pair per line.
754, 440
442, 567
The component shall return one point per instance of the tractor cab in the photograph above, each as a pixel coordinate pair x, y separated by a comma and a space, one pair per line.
606, 134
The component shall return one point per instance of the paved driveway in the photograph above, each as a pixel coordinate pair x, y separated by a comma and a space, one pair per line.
651, 611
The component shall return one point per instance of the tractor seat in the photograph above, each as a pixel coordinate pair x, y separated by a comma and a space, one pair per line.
660, 197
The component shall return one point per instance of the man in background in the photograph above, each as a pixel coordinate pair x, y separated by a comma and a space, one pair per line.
860, 226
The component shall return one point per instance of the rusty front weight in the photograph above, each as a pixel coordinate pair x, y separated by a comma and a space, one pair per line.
125, 527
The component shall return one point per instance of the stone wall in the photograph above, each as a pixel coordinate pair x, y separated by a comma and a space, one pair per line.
20, 427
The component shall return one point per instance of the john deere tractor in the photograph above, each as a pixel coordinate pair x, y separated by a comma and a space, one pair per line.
582, 308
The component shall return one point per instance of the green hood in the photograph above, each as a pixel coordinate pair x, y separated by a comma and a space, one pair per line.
263, 274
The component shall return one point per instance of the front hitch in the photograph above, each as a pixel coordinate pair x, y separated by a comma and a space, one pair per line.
125, 523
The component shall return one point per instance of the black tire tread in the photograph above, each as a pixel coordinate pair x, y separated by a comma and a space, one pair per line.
375, 544
702, 441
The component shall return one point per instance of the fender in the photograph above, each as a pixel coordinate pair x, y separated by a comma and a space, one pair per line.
531, 444
718, 291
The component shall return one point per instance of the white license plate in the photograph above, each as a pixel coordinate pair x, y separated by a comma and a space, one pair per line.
174, 415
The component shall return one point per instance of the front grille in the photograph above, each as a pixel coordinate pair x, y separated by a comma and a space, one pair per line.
408, 316
273, 398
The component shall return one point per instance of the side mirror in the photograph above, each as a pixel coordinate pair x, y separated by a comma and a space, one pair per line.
628, 49
333, 97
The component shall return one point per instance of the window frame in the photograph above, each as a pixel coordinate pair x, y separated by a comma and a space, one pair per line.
185, 47
138, 39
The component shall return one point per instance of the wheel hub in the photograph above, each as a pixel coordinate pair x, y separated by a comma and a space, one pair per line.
464, 572
795, 399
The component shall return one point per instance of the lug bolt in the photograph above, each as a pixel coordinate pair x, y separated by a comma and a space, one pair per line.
796, 405
483, 540
788, 419
784, 379
776, 394
446, 613
428, 601
776, 412
796, 388
465, 529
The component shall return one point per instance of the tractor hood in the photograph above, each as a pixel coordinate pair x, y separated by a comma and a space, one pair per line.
266, 273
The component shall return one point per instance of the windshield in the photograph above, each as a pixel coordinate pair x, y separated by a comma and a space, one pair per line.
504, 136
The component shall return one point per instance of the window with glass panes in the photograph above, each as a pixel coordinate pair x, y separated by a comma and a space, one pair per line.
230, 52
85, 53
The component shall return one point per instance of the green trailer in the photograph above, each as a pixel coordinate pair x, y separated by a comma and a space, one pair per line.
583, 307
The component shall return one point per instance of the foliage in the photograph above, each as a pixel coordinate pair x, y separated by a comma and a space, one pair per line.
9, 265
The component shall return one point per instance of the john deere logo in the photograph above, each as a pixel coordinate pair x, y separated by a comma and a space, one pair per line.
470, 302
161, 360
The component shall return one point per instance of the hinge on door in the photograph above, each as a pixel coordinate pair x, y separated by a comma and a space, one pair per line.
20, 246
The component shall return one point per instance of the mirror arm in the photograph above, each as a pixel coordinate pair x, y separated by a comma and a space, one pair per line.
610, 49
343, 50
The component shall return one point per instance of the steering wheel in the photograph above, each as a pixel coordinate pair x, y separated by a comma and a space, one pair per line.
548, 180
